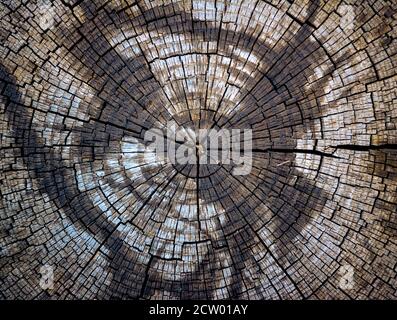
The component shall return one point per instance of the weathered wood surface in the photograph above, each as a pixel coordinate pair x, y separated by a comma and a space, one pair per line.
80, 85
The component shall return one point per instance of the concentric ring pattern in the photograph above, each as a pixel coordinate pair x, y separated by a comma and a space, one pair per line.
83, 81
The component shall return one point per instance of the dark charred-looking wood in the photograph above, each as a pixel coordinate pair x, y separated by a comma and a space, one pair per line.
85, 213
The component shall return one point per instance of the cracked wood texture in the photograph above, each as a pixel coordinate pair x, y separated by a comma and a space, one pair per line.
81, 83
